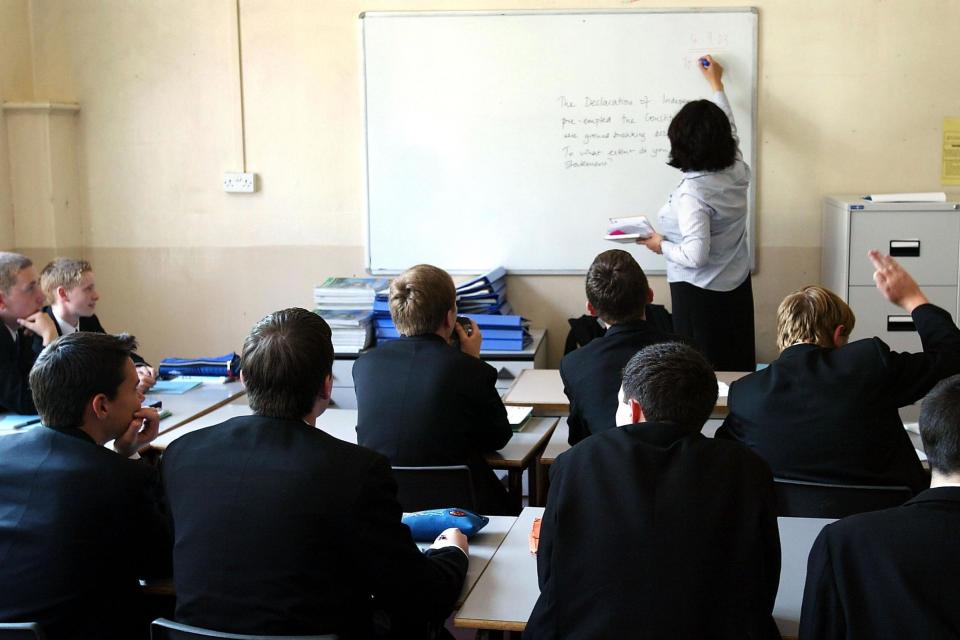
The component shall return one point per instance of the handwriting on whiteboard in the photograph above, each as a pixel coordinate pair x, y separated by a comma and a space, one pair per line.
600, 131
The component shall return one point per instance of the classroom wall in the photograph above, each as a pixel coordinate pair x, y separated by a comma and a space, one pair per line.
851, 98
15, 84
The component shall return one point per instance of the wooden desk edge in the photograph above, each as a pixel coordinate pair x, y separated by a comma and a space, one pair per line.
494, 625
209, 409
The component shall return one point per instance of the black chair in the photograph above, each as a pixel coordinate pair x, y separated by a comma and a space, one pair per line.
420, 488
21, 631
163, 629
800, 499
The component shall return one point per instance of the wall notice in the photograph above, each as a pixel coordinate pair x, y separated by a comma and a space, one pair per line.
950, 173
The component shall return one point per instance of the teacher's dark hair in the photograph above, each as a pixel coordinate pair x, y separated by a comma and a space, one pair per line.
73, 369
701, 138
673, 383
286, 360
940, 425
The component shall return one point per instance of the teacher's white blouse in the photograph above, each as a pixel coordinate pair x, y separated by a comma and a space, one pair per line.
704, 223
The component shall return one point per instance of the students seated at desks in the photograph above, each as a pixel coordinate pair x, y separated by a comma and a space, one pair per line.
826, 409
652, 530
21, 301
423, 402
617, 292
69, 285
893, 573
283, 529
79, 523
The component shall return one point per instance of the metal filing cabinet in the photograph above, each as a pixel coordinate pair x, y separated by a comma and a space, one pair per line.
923, 236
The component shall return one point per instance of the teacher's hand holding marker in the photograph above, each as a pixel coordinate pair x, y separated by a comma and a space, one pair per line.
703, 228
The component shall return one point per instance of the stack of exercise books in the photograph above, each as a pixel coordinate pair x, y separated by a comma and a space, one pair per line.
483, 300
347, 306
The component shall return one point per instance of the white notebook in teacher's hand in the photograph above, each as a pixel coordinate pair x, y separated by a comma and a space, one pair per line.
628, 229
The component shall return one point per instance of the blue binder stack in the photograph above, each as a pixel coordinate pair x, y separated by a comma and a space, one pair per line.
483, 300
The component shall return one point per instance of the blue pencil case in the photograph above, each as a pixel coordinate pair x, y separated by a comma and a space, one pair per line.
427, 525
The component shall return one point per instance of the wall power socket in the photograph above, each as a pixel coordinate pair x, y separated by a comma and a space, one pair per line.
237, 182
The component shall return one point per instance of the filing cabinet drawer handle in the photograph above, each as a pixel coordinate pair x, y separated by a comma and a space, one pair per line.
900, 323
905, 248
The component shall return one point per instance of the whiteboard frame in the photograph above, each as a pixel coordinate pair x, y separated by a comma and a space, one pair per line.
754, 150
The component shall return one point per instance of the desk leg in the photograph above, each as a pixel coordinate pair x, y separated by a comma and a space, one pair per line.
533, 478
515, 488
543, 485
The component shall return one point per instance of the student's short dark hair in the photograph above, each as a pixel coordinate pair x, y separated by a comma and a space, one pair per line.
617, 287
286, 359
701, 138
940, 425
73, 369
673, 382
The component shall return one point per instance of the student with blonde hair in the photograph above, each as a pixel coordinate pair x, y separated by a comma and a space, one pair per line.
425, 402
70, 287
826, 409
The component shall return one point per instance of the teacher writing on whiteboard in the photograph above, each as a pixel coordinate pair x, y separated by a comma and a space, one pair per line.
704, 231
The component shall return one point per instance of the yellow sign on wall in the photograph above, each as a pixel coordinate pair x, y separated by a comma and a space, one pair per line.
950, 172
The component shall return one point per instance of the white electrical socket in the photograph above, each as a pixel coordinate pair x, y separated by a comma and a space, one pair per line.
237, 182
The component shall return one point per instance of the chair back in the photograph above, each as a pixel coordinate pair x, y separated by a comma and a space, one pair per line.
800, 499
21, 631
420, 488
163, 629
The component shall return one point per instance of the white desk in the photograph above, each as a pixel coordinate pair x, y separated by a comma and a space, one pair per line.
199, 401
504, 596
483, 546
543, 390
519, 453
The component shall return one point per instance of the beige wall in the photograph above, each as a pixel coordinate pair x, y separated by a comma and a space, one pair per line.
16, 83
851, 98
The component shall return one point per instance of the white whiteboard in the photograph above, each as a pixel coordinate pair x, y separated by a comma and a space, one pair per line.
509, 138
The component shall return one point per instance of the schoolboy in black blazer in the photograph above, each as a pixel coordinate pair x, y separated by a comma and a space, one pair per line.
617, 292
26, 330
423, 402
652, 530
80, 523
893, 573
282, 529
826, 410
69, 285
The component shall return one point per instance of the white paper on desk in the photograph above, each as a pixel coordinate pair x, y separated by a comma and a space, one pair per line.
913, 427
723, 389
921, 455
930, 196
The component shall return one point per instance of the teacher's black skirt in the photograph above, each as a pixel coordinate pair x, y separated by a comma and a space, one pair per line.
719, 323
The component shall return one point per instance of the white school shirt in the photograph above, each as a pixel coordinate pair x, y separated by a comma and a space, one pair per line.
65, 327
704, 223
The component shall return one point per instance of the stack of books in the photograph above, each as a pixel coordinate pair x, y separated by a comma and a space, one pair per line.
347, 306
483, 300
